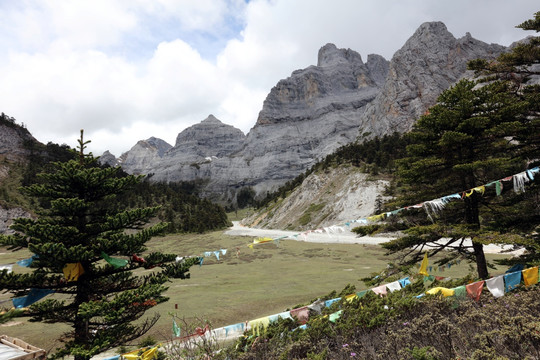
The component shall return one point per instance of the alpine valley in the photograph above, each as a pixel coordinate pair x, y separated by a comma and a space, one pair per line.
304, 118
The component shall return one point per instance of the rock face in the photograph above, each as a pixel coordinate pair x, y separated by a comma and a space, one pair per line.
340, 81
12, 153
7, 216
108, 159
313, 112
323, 199
304, 118
12, 138
429, 63
141, 158
210, 138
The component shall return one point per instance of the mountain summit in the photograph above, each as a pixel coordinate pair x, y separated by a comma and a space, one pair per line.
313, 112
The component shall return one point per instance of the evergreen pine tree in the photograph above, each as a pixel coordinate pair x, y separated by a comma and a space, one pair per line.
465, 141
474, 135
86, 253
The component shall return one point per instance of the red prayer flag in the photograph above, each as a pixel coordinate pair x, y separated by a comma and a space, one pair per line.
475, 289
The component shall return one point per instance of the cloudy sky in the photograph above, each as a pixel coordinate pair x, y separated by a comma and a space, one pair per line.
125, 70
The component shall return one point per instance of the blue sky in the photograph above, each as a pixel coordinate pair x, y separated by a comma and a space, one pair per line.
126, 70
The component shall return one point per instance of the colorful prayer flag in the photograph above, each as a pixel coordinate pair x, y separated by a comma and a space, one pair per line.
72, 271
424, 265
116, 263
530, 276
475, 289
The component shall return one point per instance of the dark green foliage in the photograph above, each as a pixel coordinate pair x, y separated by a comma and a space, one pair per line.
245, 197
366, 230
471, 137
180, 206
77, 225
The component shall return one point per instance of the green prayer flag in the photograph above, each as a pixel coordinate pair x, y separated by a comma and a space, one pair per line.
498, 188
460, 292
175, 329
333, 317
362, 293
117, 263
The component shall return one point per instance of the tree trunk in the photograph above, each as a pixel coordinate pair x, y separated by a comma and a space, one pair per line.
481, 264
472, 218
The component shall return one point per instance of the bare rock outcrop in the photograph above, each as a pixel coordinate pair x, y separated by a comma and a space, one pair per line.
305, 117
12, 139
323, 199
429, 63
8, 215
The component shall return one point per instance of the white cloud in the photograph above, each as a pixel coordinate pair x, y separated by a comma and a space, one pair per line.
127, 70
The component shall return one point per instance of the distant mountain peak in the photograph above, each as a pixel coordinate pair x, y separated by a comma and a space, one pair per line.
330, 55
212, 119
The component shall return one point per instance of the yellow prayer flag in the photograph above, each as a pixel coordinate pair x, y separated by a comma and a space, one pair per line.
262, 240
480, 189
530, 276
351, 297
72, 271
147, 354
424, 265
257, 323
445, 291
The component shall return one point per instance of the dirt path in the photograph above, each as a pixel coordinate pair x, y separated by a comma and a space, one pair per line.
346, 237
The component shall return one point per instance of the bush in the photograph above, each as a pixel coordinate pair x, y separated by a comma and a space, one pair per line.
400, 326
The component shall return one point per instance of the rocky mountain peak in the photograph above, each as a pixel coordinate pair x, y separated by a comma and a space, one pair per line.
211, 119
378, 68
429, 62
12, 139
108, 159
161, 146
330, 55
210, 132
340, 80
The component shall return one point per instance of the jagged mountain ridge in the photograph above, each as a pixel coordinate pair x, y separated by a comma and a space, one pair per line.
418, 74
328, 98
316, 110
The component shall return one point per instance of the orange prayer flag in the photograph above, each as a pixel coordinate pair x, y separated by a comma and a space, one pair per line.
475, 289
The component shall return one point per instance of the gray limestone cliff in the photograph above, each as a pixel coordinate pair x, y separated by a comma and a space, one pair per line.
12, 139
304, 117
13, 153
313, 112
108, 159
429, 63
142, 157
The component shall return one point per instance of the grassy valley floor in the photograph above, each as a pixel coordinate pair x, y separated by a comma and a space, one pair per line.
243, 285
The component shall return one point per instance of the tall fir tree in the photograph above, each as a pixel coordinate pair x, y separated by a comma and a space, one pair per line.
86, 254
467, 140
478, 133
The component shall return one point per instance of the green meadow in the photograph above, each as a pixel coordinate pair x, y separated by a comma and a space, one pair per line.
243, 285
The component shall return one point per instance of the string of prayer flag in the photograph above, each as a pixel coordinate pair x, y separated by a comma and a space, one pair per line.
436, 205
